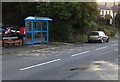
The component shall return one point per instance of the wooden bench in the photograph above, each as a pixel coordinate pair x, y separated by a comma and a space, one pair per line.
12, 42
19, 42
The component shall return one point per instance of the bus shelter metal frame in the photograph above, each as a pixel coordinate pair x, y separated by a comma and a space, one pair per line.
33, 20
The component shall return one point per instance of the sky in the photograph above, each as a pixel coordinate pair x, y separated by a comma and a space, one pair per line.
108, 0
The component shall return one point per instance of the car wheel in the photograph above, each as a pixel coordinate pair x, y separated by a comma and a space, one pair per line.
107, 40
89, 41
102, 41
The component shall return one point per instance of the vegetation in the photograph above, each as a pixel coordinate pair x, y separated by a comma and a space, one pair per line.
72, 21
117, 19
103, 24
14, 13
108, 29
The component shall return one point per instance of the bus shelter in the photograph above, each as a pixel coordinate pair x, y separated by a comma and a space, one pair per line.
37, 30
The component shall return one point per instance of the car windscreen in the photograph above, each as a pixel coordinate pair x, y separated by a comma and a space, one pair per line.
94, 33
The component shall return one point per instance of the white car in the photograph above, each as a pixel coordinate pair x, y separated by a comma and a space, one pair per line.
98, 36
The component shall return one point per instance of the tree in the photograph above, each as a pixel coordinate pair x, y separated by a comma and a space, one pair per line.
69, 18
117, 18
117, 21
107, 19
14, 13
10, 13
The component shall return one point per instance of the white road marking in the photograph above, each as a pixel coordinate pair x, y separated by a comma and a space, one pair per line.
80, 53
116, 49
40, 64
114, 45
113, 41
101, 48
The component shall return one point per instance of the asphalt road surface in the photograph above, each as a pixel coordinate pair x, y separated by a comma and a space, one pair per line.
88, 61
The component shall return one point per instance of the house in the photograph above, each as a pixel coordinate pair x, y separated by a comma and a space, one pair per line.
105, 10
108, 10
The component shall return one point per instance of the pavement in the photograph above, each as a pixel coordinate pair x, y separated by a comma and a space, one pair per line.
88, 61
25, 48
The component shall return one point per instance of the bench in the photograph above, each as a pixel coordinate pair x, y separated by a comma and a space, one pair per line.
12, 42
19, 42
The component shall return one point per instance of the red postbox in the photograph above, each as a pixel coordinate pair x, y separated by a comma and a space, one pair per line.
22, 31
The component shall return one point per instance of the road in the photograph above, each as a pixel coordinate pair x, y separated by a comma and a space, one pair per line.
88, 61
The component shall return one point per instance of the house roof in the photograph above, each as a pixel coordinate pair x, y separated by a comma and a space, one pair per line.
115, 8
104, 7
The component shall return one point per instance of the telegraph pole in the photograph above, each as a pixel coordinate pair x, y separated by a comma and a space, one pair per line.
114, 13
118, 25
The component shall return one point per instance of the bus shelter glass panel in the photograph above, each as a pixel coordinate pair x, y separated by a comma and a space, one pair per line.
28, 32
28, 39
37, 26
45, 36
37, 37
44, 26
29, 26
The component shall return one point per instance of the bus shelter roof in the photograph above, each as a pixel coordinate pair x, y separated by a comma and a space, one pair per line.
30, 18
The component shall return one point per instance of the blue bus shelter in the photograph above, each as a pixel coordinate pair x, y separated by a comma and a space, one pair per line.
37, 30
